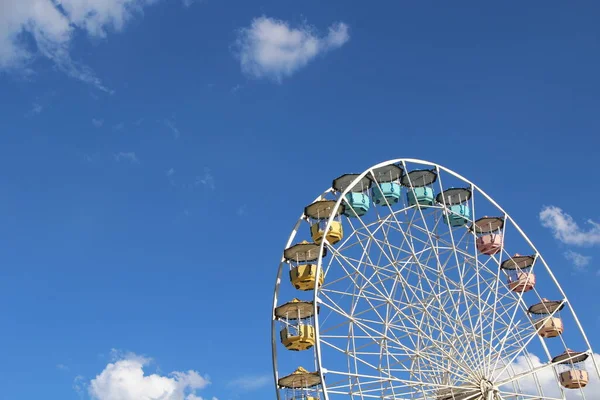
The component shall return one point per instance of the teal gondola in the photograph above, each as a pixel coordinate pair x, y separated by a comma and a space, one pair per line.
357, 201
419, 187
386, 185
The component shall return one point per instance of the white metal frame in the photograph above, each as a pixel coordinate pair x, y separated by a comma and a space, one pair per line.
321, 367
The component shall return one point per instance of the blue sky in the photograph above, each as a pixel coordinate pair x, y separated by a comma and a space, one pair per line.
156, 155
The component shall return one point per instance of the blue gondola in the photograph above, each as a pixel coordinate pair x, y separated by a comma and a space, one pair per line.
458, 215
419, 190
357, 200
386, 185
421, 195
457, 211
358, 204
388, 194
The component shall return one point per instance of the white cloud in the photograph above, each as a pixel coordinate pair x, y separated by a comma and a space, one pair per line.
171, 171
62, 367
253, 382
236, 88
548, 381
172, 127
97, 122
125, 379
207, 180
79, 386
565, 229
52, 24
271, 48
127, 156
579, 260
36, 108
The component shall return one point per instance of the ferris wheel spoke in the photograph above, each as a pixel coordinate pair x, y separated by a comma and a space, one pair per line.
512, 357
450, 320
507, 336
477, 266
426, 317
432, 247
478, 350
404, 386
338, 255
523, 375
356, 356
409, 350
523, 396
496, 292
527, 327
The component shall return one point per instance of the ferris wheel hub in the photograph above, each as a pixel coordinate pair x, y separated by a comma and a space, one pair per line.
488, 389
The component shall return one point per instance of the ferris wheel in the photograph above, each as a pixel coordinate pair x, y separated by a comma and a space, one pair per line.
407, 281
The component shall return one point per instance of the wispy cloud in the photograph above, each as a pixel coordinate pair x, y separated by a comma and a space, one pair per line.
62, 367
251, 382
97, 122
172, 127
241, 210
80, 386
52, 27
127, 156
36, 108
579, 261
271, 48
170, 172
88, 158
119, 127
207, 180
188, 3
236, 88
566, 230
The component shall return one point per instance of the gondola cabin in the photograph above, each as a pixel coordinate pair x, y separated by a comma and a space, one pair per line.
302, 259
418, 182
520, 278
296, 318
304, 276
357, 204
386, 185
455, 200
489, 234
386, 193
356, 201
522, 282
318, 214
458, 215
547, 322
571, 369
301, 384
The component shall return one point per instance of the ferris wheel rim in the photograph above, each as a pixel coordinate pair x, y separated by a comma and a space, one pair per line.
322, 371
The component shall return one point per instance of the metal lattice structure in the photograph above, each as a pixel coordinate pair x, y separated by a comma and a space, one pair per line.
418, 285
